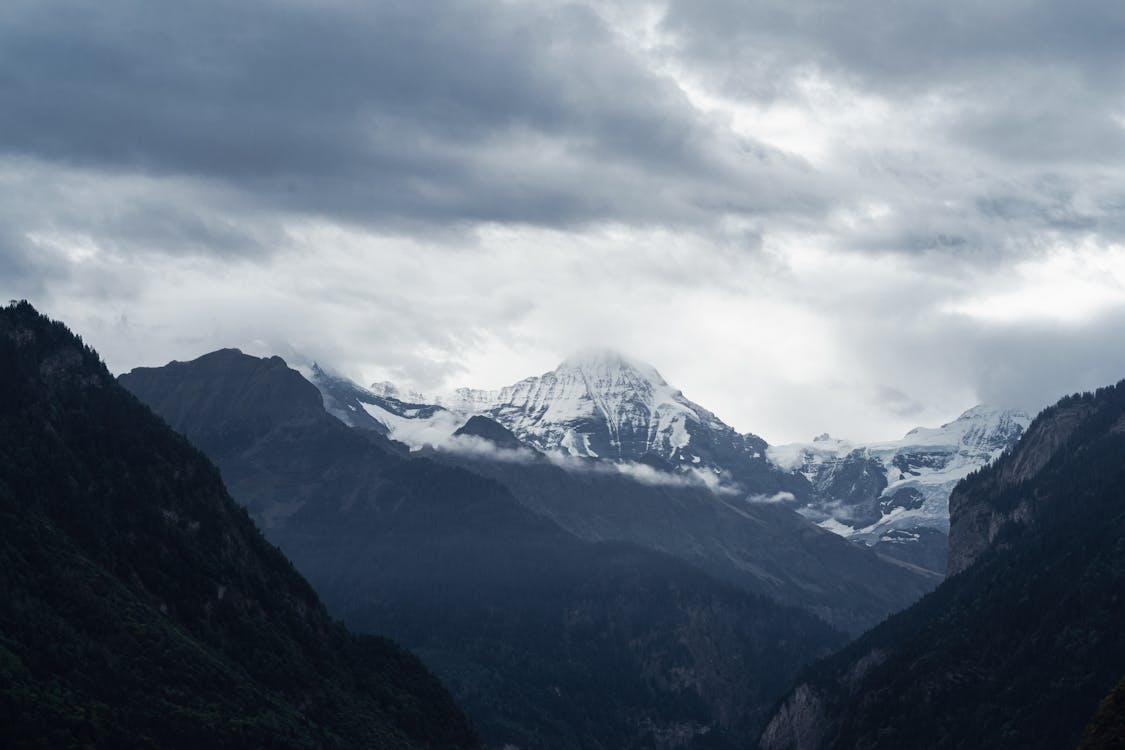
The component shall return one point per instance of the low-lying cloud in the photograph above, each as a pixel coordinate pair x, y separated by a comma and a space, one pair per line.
775, 498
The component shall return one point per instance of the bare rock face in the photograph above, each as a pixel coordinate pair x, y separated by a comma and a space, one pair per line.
801, 723
974, 521
805, 719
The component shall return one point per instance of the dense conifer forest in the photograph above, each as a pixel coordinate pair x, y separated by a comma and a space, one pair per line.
140, 606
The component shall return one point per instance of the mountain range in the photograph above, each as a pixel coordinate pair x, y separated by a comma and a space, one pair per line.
546, 639
679, 481
599, 405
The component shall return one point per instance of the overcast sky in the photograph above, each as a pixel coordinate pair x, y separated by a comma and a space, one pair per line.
847, 216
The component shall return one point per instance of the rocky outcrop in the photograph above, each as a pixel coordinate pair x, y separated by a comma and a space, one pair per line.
800, 723
487, 429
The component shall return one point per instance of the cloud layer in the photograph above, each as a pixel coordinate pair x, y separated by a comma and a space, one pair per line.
818, 216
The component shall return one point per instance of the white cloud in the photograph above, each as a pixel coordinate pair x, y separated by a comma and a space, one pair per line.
777, 497
1070, 285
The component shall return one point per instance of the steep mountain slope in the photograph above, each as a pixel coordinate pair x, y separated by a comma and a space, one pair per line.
140, 607
711, 499
548, 641
602, 404
757, 543
1019, 645
895, 495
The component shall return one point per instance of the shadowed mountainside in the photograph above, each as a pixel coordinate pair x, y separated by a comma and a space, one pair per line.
1019, 645
139, 605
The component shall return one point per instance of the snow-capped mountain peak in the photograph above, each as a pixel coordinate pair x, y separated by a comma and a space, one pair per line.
599, 403
982, 428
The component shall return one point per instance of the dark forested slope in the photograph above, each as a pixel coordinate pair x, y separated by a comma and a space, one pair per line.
139, 605
1017, 648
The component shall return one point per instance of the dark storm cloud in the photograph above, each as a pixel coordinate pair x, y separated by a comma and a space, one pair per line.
376, 112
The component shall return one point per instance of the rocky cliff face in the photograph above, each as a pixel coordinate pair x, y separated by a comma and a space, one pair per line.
975, 520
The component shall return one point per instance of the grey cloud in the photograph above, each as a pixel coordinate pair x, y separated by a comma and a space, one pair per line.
1031, 366
24, 271
50, 211
1023, 364
896, 401
1018, 108
376, 113
906, 44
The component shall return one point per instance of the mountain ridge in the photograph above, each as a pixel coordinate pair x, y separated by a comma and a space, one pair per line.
598, 404
731, 512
